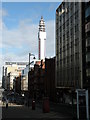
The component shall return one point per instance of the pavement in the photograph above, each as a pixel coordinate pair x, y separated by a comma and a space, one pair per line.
21, 112
24, 112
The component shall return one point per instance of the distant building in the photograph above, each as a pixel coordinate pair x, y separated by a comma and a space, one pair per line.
10, 71
0, 83
41, 39
24, 79
72, 45
17, 84
3, 77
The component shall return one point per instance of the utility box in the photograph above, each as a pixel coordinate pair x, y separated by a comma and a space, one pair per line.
46, 105
81, 93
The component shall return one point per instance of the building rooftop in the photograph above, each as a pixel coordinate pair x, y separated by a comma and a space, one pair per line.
17, 63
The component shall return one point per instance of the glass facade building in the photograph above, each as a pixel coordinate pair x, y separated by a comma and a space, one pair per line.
72, 45
87, 38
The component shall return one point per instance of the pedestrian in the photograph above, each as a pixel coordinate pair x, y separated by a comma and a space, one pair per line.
25, 102
7, 103
28, 102
57, 96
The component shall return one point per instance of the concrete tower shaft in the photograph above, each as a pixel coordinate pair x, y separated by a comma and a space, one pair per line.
41, 39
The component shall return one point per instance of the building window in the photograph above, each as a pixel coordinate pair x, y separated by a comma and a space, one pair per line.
88, 41
67, 34
77, 56
72, 58
72, 32
88, 72
64, 26
60, 18
63, 48
63, 37
60, 50
87, 13
68, 52
87, 27
88, 57
76, 5
60, 40
76, 15
71, 20
67, 10
67, 23
60, 28
67, 46
72, 44
67, 59
60, 62
64, 61
72, 50
57, 63
72, 6
76, 42
76, 28
67, 40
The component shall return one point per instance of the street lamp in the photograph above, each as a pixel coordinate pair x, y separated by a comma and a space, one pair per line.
30, 54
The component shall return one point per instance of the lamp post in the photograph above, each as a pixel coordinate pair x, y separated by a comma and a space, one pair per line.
30, 54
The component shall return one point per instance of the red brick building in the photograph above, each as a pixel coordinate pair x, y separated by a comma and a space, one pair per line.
36, 80
49, 83
42, 79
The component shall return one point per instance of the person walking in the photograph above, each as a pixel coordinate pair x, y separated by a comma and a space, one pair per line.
28, 102
7, 103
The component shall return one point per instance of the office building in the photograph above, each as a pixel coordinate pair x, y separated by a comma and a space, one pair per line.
72, 45
87, 42
24, 79
10, 71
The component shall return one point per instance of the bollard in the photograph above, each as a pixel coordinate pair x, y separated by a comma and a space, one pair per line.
46, 106
6, 105
33, 104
